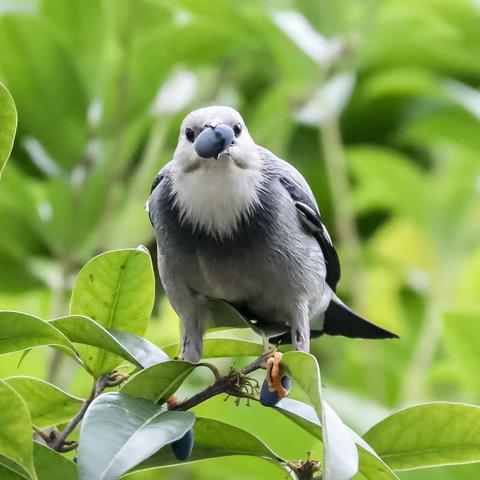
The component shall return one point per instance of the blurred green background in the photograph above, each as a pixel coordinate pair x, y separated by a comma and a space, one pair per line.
375, 102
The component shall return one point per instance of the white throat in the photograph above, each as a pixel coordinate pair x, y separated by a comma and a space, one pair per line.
216, 195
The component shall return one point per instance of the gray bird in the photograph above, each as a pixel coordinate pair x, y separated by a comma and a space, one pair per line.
234, 222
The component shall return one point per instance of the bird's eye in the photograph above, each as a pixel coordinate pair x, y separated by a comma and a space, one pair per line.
237, 129
190, 134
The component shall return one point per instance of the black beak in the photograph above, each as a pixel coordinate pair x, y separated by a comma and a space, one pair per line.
214, 140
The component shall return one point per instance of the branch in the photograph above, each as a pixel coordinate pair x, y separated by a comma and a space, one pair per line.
236, 384
58, 441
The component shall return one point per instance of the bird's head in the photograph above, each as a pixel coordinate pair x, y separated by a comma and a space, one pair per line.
215, 134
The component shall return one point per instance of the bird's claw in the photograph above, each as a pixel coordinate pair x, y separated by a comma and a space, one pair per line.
274, 375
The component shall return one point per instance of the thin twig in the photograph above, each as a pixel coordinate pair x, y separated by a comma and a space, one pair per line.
59, 440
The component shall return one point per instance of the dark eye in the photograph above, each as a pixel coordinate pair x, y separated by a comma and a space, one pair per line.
237, 129
190, 134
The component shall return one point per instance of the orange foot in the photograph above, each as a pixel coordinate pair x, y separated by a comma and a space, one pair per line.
274, 375
172, 402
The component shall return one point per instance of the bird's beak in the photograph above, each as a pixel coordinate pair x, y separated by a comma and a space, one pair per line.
214, 140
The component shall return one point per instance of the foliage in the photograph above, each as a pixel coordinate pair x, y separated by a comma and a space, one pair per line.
375, 102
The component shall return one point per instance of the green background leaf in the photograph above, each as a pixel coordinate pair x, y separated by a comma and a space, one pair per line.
8, 125
428, 435
48, 404
215, 439
16, 442
116, 289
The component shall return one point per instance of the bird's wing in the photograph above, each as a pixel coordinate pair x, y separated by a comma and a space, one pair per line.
309, 214
159, 177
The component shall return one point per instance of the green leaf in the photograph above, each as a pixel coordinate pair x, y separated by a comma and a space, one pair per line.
158, 382
51, 465
20, 331
215, 439
16, 442
339, 450
116, 289
84, 330
222, 347
118, 432
31, 51
48, 405
8, 125
428, 435
387, 180
370, 465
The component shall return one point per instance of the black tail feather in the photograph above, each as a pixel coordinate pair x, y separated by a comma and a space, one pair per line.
340, 320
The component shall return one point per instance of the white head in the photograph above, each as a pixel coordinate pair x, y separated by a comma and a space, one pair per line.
216, 170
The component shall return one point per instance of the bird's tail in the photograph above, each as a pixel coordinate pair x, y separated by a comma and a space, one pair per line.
341, 320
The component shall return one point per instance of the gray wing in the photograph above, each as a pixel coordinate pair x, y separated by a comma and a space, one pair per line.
309, 214
159, 178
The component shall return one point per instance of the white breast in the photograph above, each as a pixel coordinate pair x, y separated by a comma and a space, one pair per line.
216, 195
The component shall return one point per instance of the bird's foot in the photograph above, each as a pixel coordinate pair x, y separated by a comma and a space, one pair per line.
274, 375
172, 402
242, 386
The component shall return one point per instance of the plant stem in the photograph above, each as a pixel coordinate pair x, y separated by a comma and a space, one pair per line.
228, 384
58, 441
342, 205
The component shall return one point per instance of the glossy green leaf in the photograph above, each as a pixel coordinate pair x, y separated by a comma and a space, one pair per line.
215, 439
223, 347
51, 465
370, 465
20, 331
158, 382
116, 289
428, 435
48, 405
8, 125
83, 330
119, 432
16, 442
339, 450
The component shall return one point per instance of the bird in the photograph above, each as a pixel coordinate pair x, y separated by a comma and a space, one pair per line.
233, 222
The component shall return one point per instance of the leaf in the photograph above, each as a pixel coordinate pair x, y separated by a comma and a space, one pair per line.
30, 53
48, 405
214, 439
118, 432
222, 347
20, 331
116, 289
370, 465
51, 465
8, 125
84, 330
428, 435
158, 382
339, 450
388, 180
16, 443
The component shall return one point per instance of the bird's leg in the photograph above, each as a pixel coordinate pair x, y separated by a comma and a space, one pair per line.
274, 375
192, 339
301, 332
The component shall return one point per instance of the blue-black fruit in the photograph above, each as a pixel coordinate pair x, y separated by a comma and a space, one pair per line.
182, 448
213, 141
270, 399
